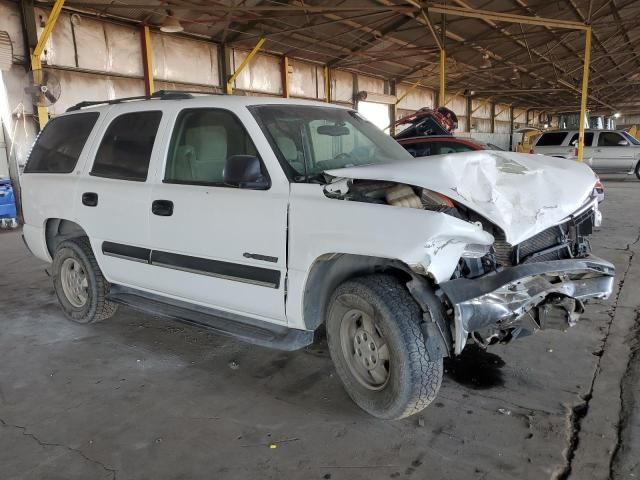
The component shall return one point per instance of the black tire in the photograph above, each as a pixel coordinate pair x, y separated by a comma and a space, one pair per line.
96, 306
637, 171
413, 380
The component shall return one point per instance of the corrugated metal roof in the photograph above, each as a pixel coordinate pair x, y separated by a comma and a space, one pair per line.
389, 39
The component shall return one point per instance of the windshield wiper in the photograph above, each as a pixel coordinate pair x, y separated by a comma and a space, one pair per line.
312, 178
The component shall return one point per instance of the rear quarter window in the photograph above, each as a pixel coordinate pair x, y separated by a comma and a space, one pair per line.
60, 143
550, 139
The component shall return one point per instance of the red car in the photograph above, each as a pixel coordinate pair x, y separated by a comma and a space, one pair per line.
442, 144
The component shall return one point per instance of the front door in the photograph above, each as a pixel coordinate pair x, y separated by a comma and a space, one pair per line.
613, 153
212, 244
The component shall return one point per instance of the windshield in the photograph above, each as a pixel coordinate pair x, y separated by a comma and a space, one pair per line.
633, 140
309, 140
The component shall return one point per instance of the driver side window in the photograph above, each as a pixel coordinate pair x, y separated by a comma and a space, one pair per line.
202, 140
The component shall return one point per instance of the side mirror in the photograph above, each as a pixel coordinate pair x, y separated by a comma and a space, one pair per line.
623, 143
245, 171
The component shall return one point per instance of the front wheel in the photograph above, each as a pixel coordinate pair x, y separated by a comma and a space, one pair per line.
378, 348
637, 171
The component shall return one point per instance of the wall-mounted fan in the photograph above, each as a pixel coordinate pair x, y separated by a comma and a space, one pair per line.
43, 87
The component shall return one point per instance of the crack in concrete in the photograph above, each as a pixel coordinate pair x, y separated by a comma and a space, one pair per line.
577, 412
625, 402
66, 447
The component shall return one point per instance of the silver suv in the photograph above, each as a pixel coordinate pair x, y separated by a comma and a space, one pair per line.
606, 151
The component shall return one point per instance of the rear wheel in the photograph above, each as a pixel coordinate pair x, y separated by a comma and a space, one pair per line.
378, 348
637, 171
79, 284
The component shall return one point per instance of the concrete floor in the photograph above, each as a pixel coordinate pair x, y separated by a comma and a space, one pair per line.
143, 398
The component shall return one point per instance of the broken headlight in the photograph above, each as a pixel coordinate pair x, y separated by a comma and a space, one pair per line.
475, 250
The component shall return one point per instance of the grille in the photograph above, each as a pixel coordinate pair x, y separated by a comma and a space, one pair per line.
549, 238
525, 252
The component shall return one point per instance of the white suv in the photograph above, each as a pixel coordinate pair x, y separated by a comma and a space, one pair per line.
606, 151
266, 218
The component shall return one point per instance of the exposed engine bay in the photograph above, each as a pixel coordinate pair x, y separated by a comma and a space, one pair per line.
564, 241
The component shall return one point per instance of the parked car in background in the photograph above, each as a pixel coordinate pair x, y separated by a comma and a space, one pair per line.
606, 151
442, 144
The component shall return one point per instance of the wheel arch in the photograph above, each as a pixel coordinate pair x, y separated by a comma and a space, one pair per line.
330, 270
57, 230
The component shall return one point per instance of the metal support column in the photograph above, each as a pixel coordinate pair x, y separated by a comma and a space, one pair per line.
492, 113
327, 84
443, 62
585, 91
511, 110
147, 63
285, 76
246, 62
393, 109
469, 111
36, 64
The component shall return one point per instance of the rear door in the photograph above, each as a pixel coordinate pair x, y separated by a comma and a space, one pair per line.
215, 245
112, 200
613, 153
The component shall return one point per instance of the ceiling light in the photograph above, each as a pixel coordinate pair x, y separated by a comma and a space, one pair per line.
171, 25
616, 115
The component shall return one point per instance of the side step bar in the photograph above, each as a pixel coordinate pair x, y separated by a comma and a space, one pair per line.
248, 329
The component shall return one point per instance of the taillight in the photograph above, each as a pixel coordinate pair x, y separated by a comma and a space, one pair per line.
532, 151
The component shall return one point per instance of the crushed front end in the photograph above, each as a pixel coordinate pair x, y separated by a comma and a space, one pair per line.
540, 283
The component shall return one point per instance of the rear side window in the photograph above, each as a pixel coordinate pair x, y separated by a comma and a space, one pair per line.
125, 150
588, 139
424, 149
609, 139
453, 147
551, 138
60, 143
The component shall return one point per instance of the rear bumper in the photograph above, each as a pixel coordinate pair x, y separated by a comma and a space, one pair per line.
499, 300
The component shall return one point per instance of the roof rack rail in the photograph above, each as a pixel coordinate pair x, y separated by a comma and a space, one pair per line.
159, 95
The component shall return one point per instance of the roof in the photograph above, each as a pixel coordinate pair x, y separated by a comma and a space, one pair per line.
528, 65
198, 100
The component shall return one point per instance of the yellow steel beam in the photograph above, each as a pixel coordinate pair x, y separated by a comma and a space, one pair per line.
505, 17
246, 62
584, 94
407, 92
36, 64
443, 63
327, 84
147, 64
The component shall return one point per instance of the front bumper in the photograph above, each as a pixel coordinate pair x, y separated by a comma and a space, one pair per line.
499, 300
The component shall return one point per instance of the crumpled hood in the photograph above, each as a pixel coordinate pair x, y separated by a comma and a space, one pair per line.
523, 194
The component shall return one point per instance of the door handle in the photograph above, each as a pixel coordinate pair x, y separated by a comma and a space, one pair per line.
162, 208
90, 199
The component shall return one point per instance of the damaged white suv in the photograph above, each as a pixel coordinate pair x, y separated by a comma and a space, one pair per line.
266, 218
